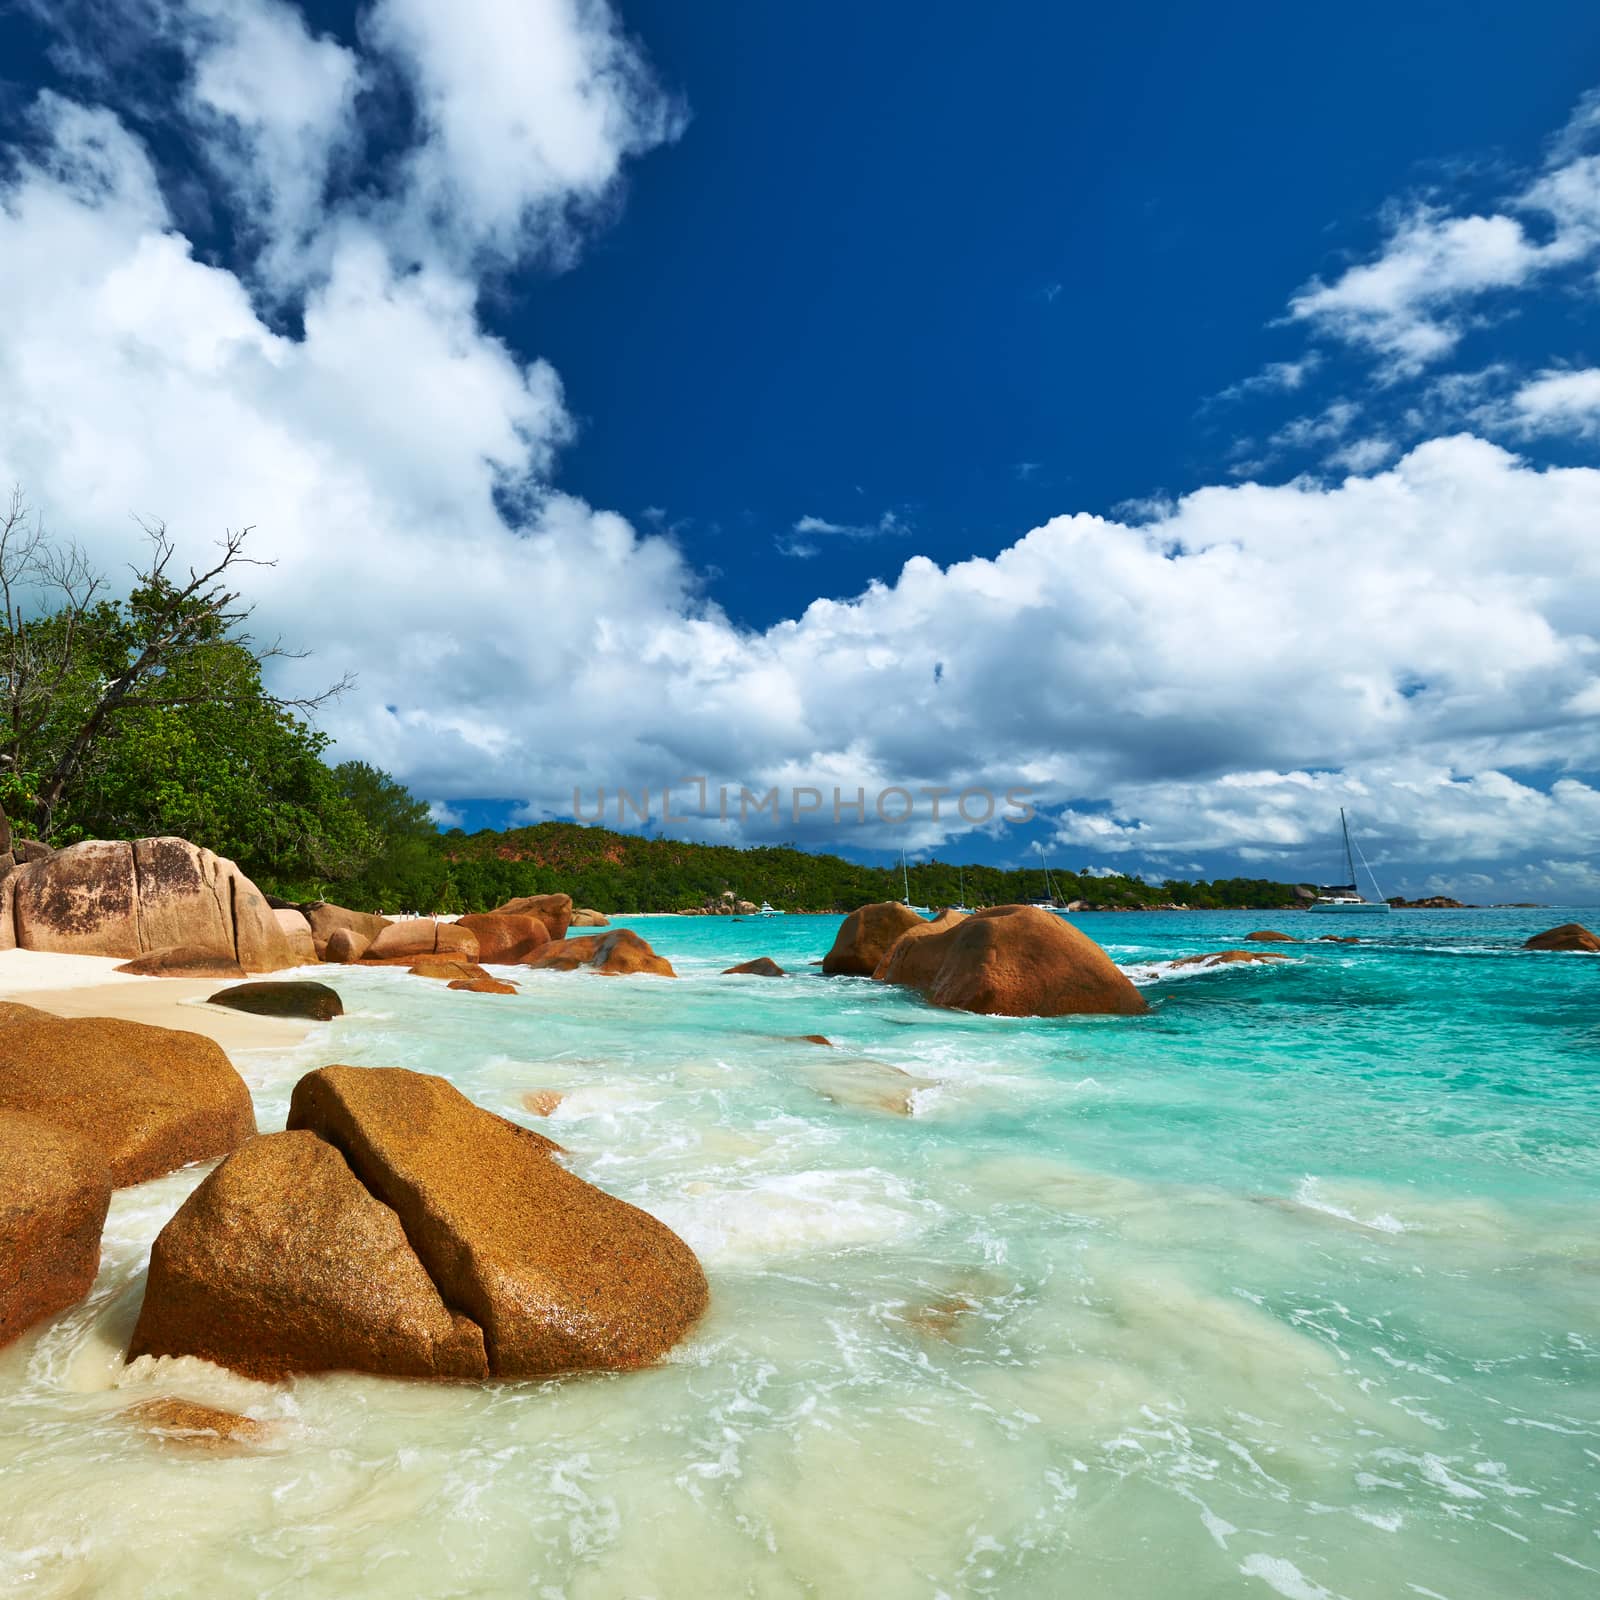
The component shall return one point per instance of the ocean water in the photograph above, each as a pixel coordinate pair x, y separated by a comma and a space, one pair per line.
1290, 1288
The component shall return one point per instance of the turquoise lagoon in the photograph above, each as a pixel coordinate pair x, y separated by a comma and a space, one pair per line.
1290, 1288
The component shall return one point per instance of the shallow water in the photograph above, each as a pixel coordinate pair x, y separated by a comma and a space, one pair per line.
1290, 1288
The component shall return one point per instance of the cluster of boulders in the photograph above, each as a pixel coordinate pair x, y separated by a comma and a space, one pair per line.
726, 904
1017, 961
395, 1228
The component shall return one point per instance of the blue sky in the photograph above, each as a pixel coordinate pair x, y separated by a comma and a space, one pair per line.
1189, 417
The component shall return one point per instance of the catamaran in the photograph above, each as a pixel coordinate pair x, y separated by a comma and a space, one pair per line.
962, 905
1346, 897
1051, 899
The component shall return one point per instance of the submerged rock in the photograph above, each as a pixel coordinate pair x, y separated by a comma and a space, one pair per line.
1014, 961
149, 1099
193, 1426
1569, 936
54, 1190
507, 938
812, 1038
282, 1261
619, 953
761, 967
865, 938
298, 998
1225, 958
542, 1102
553, 910
483, 985
871, 1086
560, 1275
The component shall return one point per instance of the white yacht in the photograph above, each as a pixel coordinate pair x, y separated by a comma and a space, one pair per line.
905, 879
769, 910
1346, 898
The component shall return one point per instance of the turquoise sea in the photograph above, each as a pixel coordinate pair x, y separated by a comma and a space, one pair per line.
1290, 1288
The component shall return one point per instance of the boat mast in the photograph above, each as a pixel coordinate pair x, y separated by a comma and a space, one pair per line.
905, 875
1349, 860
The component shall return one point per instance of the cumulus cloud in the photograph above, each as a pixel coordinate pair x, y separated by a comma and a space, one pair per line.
1559, 402
1214, 677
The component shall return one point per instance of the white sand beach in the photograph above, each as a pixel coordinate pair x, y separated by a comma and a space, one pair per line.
91, 986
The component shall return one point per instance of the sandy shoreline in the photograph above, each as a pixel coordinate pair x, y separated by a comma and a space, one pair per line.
90, 986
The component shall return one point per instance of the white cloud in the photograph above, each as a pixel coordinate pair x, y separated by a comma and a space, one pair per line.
1363, 455
800, 540
1220, 674
1276, 377
1411, 304
1559, 402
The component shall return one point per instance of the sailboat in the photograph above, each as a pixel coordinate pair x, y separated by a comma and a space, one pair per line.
962, 905
1346, 897
1050, 895
905, 879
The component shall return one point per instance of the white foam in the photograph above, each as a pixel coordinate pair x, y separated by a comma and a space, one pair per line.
1284, 1577
1311, 1196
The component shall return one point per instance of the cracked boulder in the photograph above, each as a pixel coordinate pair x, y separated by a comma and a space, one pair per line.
397, 1228
108, 897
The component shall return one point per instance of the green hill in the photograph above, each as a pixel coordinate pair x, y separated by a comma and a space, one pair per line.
619, 872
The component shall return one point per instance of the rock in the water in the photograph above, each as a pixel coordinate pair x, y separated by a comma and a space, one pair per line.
1337, 938
422, 936
871, 1086
54, 1190
813, 1038
553, 910
865, 938
114, 898
761, 967
345, 947
506, 939
282, 1261
584, 917
327, 919
542, 1102
618, 953
297, 931
1569, 936
943, 923
192, 1426
182, 961
294, 997
1015, 961
149, 1099
483, 985
560, 1276
1226, 958
1272, 936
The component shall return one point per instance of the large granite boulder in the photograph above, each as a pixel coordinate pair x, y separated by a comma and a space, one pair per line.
586, 917
115, 898
553, 910
149, 1099
327, 919
865, 938
506, 938
301, 999
1569, 936
560, 1276
619, 953
942, 923
1015, 961
397, 1228
54, 1190
283, 1261
422, 936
